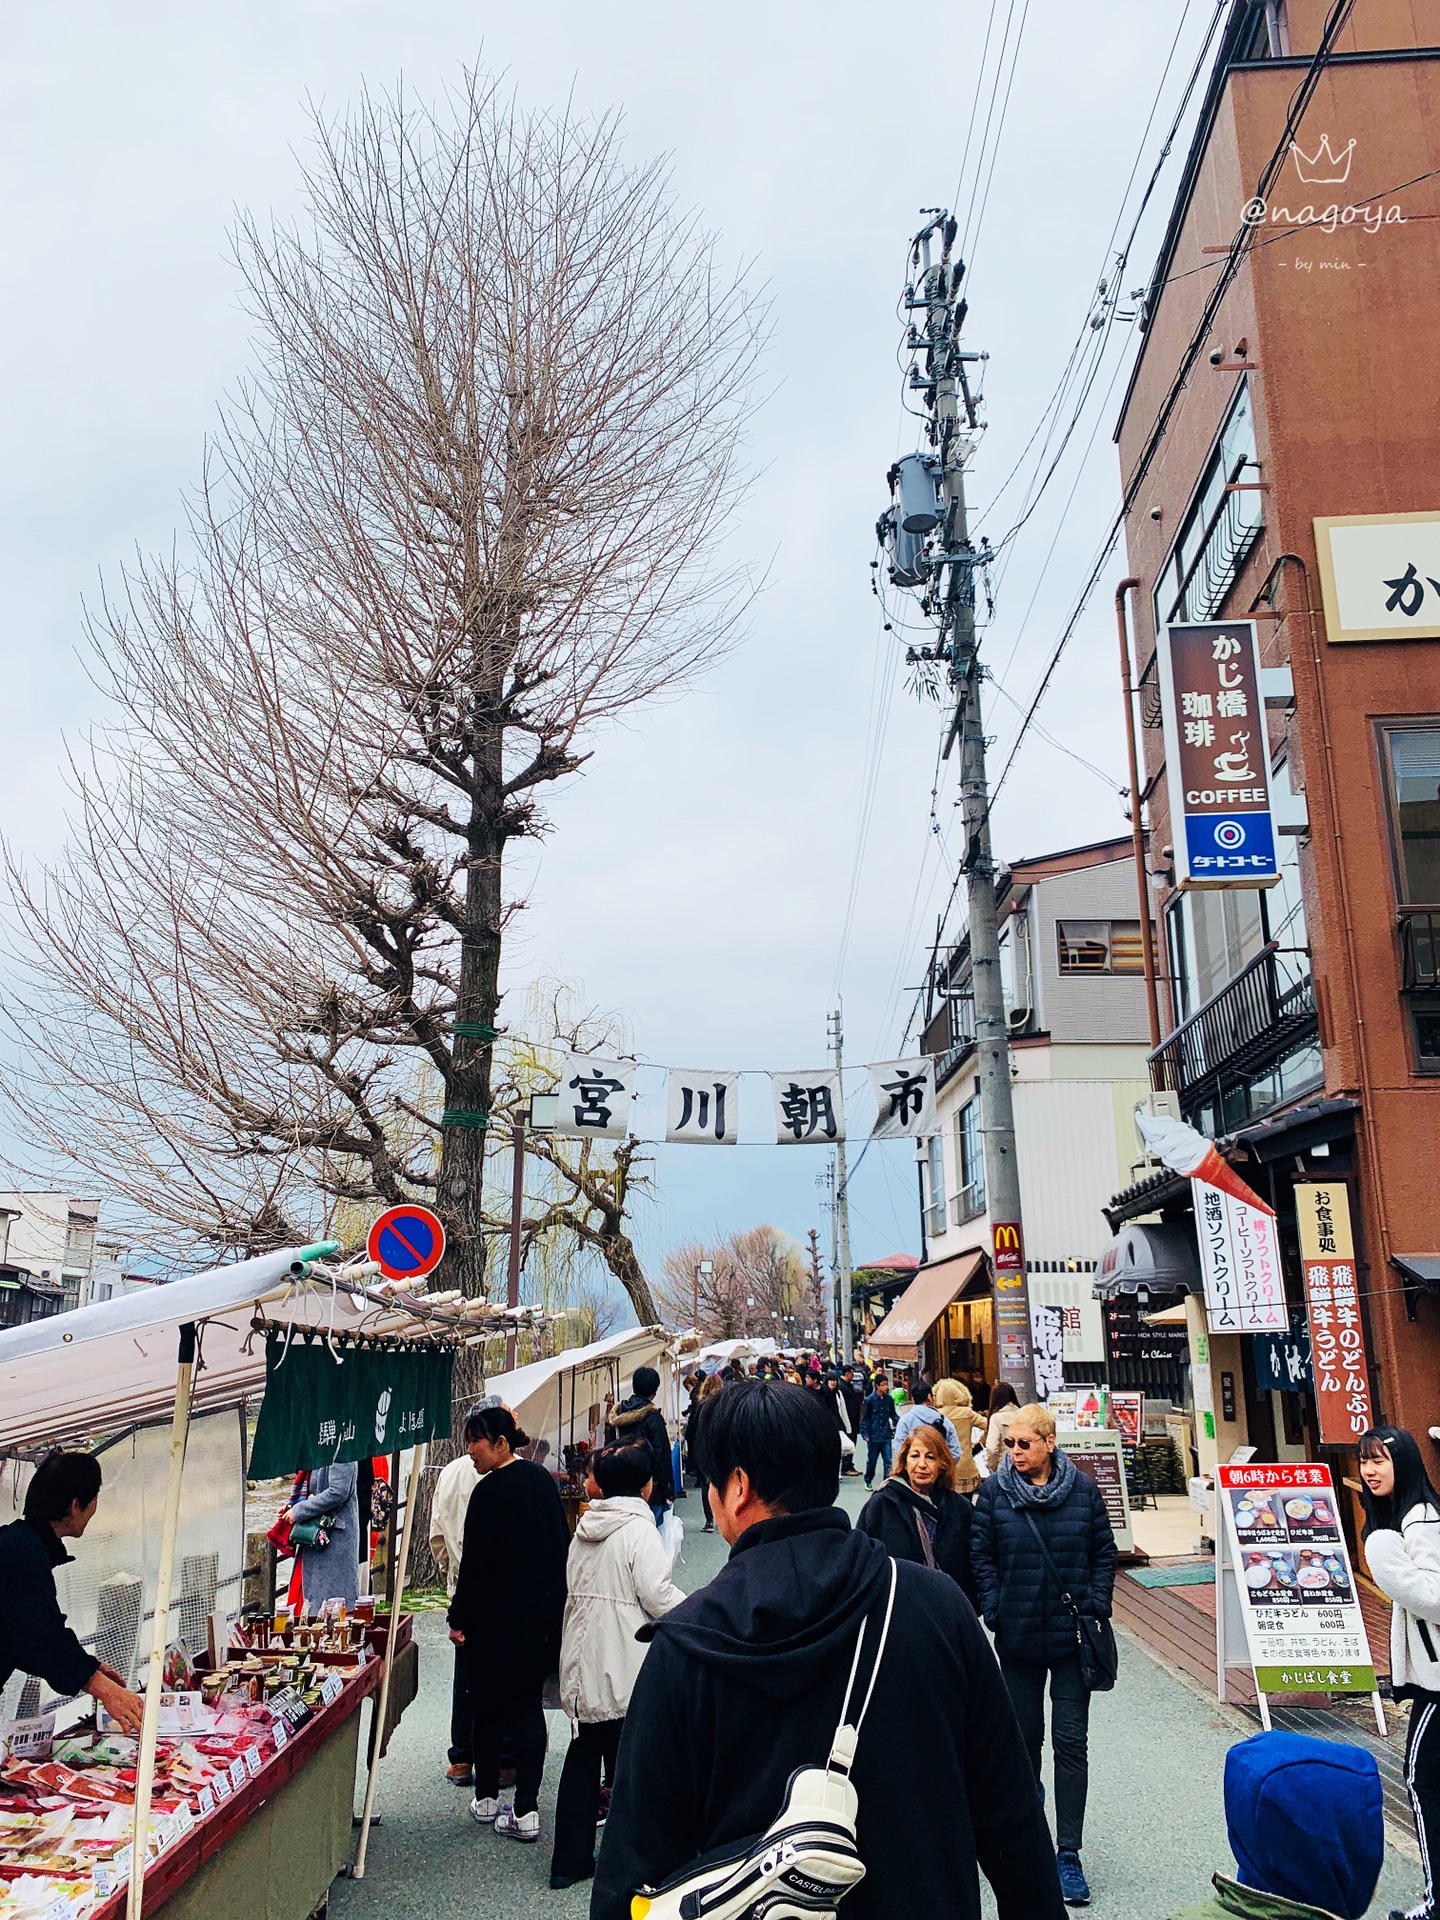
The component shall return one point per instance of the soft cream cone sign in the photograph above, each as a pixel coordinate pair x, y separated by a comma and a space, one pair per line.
1234, 1229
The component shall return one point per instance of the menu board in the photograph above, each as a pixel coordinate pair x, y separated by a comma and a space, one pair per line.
1127, 1416
1098, 1452
1303, 1625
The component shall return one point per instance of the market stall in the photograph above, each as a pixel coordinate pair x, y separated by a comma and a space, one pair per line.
242, 1779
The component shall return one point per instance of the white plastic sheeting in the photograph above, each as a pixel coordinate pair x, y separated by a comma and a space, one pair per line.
108, 1592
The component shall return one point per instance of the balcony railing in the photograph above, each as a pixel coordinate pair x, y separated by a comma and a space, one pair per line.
1419, 947
968, 1204
1255, 1020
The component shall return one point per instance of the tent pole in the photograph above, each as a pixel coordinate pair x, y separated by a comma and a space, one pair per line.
160, 1634
382, 1699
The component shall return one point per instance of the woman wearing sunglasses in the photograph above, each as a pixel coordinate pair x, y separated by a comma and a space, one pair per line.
1041, 1542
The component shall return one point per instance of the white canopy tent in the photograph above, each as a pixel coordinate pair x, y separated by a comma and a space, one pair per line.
551, 1398
112, 1365
194, 1346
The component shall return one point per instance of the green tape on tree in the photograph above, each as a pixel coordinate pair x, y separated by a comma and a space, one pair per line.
463, 1117
474, 1030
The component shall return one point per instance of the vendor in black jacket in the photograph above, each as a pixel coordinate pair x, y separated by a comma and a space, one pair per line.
743, 1683
638, 1418
60, 1503
1040, 1495
917, 1514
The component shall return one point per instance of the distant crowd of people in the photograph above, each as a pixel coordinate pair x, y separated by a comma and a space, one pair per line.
695, 1719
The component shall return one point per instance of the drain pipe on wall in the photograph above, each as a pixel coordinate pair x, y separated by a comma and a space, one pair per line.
1137, 831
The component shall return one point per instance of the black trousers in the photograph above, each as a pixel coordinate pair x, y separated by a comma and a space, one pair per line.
1422, 1782
1069, 1735
506, 1705
460, 1715
577, 1806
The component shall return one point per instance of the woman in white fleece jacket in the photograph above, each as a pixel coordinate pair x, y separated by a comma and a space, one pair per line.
1402, 1547
617, 1578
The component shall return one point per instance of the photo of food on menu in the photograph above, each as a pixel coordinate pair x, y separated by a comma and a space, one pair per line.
1290, 1547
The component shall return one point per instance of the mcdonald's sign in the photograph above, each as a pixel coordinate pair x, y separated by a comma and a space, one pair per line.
1009, 1255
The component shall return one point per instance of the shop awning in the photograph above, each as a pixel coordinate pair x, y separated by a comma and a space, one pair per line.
1420, 1269
900, 1333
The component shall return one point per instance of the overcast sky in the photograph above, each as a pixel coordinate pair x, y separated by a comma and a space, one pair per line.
698, 877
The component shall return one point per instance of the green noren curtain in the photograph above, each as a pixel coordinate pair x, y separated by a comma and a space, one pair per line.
322, 1407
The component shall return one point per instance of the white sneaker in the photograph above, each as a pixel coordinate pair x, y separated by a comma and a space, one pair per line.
483, 1812
519, 1826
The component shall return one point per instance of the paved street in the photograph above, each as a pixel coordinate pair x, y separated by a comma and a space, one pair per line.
1155, 1831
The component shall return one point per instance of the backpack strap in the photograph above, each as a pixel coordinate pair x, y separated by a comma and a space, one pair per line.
847, 1734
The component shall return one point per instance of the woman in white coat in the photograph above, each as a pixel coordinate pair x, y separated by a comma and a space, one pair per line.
1402, 1547
617, 1577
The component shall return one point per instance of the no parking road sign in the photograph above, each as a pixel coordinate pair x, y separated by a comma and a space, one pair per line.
406, 1242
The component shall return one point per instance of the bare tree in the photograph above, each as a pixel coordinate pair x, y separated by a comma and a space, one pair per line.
753, 1290
465, 514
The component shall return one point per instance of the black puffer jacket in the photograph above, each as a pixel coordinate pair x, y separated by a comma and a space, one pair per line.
1018, 1596
637, 1419
892, 1514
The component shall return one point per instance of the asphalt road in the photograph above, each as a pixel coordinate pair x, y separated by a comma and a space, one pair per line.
1155, 1831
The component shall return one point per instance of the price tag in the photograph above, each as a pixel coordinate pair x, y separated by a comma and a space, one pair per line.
238, 1773
331, 1688
282, 1734
103, 1880
167, 1831
207, 1802
222, 1784
185, 1816
252, 1761
60, 1909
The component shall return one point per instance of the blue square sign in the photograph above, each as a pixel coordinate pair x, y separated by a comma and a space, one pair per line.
1231, 847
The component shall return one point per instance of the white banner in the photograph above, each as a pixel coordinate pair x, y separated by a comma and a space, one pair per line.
904, 1098
1240, 1264
595, 1097
702, 1108
809, 1108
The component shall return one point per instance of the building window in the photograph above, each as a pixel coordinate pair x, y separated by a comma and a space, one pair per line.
1220, 528
969, 1163
1413, 755
79, 1243
1100, 946
1425, 1031
935, 1186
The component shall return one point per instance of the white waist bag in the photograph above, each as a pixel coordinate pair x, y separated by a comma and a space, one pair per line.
806, 1860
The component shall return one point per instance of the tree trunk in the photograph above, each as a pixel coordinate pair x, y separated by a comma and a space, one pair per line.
621, 1258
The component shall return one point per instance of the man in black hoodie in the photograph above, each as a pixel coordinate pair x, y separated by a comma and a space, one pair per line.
744, 1682
638, 1418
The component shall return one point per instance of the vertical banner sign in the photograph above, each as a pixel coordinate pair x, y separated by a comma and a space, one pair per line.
1303, 1624
1215, 748
595, 1097
1337, 1334
1047, 1330
809, 1109
1012, 1320
1240, 1264
904, 1098
702, 1109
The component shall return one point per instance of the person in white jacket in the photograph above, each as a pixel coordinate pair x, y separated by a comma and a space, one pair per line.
617, 1578
1402, 1547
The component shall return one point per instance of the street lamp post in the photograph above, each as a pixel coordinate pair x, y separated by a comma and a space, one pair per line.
703, 1267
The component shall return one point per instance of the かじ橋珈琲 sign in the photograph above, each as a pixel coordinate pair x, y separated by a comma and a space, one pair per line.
1216, 756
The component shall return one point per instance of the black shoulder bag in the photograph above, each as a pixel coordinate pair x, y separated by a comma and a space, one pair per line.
1094, 1639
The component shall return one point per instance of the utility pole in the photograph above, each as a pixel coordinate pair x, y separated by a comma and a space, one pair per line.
928, 537
842, 1203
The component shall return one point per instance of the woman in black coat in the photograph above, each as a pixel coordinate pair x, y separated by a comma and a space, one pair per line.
507, 1611
917, 1515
